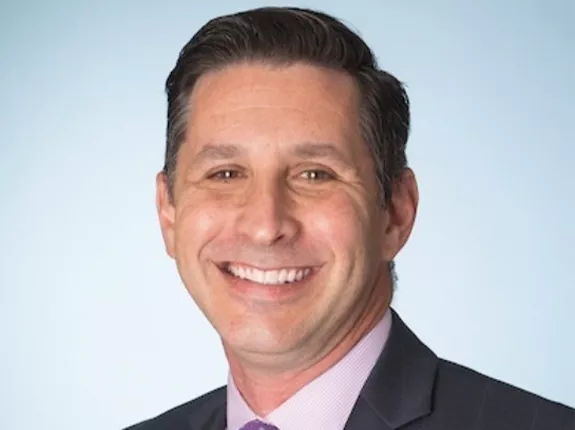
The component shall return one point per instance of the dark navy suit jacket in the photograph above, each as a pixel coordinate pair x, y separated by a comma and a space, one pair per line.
410, 388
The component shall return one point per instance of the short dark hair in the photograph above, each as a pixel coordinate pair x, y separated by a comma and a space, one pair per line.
283, 36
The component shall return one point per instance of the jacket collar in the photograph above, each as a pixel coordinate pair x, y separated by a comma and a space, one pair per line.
400, 387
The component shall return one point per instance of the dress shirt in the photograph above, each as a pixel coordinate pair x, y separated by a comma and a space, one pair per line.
325, 402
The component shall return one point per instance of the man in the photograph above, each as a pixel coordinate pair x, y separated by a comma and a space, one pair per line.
284, 199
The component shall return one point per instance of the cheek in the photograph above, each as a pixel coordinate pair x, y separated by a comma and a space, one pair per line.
340, 224
197, 224
349, 228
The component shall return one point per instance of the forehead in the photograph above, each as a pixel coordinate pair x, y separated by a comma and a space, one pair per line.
301, 101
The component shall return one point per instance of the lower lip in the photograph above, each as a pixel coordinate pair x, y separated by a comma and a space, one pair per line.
269, 292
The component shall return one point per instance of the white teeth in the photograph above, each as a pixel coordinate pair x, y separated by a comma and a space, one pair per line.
255, 275
299, 275
272, 277
282, 277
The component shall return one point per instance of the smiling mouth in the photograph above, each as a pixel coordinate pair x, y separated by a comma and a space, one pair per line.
267, 277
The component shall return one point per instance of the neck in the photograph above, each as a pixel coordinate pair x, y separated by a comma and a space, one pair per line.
265, 391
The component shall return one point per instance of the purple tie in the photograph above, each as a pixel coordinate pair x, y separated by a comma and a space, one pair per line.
258, 425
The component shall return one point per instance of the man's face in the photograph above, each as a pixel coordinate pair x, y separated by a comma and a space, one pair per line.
276, 226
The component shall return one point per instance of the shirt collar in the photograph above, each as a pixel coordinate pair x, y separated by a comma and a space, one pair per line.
327, 401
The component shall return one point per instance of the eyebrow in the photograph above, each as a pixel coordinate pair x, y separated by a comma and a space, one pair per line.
306, 150
320, 150
218, 152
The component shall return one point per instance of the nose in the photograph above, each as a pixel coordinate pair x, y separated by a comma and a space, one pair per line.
266, 216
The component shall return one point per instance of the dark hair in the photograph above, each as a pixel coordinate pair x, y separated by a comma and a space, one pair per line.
284, 36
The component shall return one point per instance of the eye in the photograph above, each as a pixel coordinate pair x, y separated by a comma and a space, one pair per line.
225, 175
317, 175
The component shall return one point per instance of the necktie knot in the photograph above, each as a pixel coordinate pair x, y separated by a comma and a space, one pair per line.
258, 425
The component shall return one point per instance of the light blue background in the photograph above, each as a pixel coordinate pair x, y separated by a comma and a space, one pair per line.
97, 331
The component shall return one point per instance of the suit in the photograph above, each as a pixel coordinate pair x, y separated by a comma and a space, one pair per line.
409, 388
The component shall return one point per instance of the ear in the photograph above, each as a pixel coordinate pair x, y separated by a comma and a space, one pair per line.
166, 212
400, 213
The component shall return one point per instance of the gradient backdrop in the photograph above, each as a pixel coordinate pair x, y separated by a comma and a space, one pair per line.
97, 331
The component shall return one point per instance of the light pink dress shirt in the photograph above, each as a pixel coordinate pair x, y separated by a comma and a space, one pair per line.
327, 401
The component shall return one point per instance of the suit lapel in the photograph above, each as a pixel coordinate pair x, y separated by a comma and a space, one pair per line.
211, 415
364, 417
400, 386
217, 420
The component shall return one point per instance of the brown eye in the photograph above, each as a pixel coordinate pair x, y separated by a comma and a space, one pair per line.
317, 175
225, 175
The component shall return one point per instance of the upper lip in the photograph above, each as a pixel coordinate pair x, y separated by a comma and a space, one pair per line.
224, 265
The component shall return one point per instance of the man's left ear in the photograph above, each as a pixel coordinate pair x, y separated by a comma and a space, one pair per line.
400, 212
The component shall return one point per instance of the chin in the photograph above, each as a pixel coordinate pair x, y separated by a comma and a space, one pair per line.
257, 339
